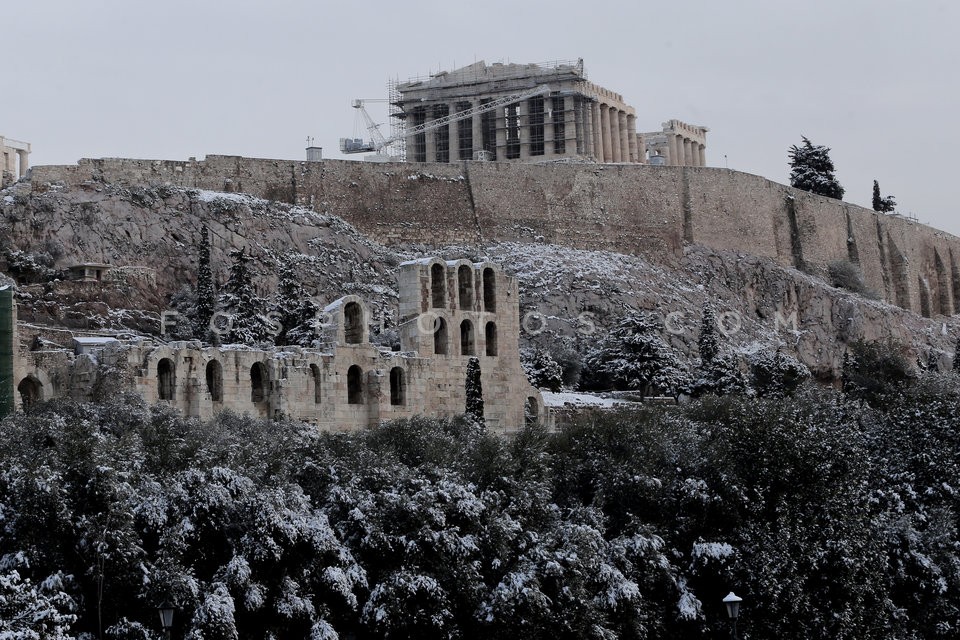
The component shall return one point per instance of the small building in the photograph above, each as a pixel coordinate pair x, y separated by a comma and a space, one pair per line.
88, 271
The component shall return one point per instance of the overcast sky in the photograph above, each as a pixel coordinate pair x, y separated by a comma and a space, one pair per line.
874, 80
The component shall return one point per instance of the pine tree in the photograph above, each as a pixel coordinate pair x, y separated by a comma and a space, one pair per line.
295, 308
634, 356
474, 389
206, 296
244, 307
883, 205
811, 169
542, 370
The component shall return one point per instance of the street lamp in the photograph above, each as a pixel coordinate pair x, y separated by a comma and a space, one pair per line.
733, 611
166, 618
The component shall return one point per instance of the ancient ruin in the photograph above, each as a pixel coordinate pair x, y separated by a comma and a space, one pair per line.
520, 112
15, 156
450, 312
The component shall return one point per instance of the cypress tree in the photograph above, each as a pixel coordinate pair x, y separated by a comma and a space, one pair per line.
206, 296
707, 343
474, 391
877, 201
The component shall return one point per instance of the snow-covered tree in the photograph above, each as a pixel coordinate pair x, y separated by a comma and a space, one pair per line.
775, 373
634, 356
206, 297
708, 342
296, 310
883, 205
811, 169
542, 370
474, 391
246, 310
31, 611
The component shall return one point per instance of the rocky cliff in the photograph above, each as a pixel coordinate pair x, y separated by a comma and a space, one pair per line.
586, 242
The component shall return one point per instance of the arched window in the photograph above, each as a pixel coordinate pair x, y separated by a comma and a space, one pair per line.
465, 286
531, 411
258, 382
489, 290
440, 337
438, 288
398, 387
352, 323
166, 379
215, 380
466, 338
315, 374
490, 333
355, 385
31, 392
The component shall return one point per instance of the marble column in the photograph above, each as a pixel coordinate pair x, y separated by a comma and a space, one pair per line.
431, 137
597, 132
673, 149
548, 116
477, 123
605, 125
615, 134
24, 162
587, 127
688, 153
523, 118
632, 138
454, 135
570, 126
703, 155
501, 127
624, 138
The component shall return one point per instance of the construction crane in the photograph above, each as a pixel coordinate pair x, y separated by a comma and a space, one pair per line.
380, 144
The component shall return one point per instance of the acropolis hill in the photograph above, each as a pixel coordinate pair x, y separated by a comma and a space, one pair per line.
583, 243
649, 211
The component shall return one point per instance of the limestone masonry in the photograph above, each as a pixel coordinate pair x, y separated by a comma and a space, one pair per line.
450, 312
653, 211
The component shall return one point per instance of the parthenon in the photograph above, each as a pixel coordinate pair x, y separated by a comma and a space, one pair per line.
558, 114
11, 151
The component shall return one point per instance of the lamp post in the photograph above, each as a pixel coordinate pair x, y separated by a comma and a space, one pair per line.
166, 618
733, 611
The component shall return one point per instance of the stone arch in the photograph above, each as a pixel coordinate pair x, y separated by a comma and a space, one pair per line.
465, 287
398, 387
352, 323
166, 379
438, 286
490, 333
355, 385
315, 376
531, 411
258, 382
489, 290
214, 375
466, 338
441, 338
31, 392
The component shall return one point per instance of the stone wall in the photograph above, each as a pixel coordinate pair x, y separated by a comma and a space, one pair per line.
646, 210
348, 383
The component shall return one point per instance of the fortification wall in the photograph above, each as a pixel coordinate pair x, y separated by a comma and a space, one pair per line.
640, 209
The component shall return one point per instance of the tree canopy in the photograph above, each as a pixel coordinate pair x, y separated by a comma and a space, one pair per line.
811, 169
